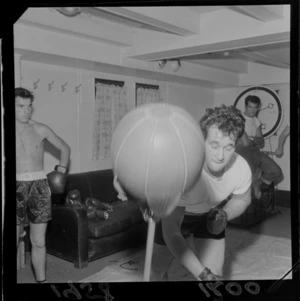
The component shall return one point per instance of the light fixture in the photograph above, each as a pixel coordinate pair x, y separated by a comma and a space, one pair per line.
162, 63
175, 65
69, 11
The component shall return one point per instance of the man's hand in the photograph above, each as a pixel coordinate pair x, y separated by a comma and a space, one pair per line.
121, 194
245, 140
259, 142
208, 275
278, 152
61, 168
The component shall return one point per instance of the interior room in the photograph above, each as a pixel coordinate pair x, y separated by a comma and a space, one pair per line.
88, 67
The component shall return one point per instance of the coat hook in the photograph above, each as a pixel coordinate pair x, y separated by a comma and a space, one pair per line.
77, 88
35, 84
63, 87
50, 85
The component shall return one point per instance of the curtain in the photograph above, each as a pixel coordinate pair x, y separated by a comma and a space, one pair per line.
145, 95
110, 107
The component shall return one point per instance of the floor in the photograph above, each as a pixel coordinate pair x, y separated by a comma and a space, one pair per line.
59, 270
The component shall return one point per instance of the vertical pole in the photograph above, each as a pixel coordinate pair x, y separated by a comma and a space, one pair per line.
149, 249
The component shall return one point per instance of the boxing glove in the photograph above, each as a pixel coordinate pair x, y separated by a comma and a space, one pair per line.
101, 214
208, 275
73, 198
98, 204
216, 221
57, 180
91, 212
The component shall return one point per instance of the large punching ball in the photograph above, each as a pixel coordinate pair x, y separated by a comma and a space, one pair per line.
158, 153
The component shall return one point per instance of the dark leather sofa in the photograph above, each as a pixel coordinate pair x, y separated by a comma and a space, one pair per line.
71, 236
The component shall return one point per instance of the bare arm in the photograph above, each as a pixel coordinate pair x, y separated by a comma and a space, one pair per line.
171, 226
238, 204
59, 143
121, 194
281, 140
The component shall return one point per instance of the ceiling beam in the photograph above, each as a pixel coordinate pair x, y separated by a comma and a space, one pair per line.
191, 50
51, 42
262, 58
85, 64
187, 70
204, 9
178, 20
261, 12
231, 65
83, 26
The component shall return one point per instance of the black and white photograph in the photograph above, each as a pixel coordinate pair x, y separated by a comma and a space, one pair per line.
152, 144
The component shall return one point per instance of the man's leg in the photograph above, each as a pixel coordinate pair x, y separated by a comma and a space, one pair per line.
251, 155
211, 253
162, 259
20, 208
40, 198
38, 252
20, 230
18, 235
271, 170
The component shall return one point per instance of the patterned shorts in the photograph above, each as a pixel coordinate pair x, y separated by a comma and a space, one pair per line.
33, 198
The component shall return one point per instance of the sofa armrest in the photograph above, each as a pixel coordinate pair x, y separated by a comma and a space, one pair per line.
67, 234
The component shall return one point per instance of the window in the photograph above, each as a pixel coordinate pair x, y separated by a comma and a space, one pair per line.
110, 107
145, 93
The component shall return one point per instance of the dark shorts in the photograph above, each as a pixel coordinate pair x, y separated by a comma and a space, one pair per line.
33, 202
192, 224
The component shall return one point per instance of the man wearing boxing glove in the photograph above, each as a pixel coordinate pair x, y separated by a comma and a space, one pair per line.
33, 191
195, 231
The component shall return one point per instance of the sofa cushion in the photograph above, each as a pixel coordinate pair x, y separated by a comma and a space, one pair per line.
124, 215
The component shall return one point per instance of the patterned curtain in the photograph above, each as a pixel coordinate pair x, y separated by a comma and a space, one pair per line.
110, 107
145, 95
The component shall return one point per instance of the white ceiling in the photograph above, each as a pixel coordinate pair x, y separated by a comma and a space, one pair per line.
150, 34
275, 54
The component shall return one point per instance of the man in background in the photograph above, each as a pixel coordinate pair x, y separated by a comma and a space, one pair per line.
264, 169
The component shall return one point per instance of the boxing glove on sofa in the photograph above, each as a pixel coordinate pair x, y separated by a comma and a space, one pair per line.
72, 236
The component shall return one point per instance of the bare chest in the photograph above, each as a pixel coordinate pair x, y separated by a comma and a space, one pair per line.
29, 142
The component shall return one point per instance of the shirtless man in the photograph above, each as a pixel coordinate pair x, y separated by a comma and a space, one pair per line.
33, 192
